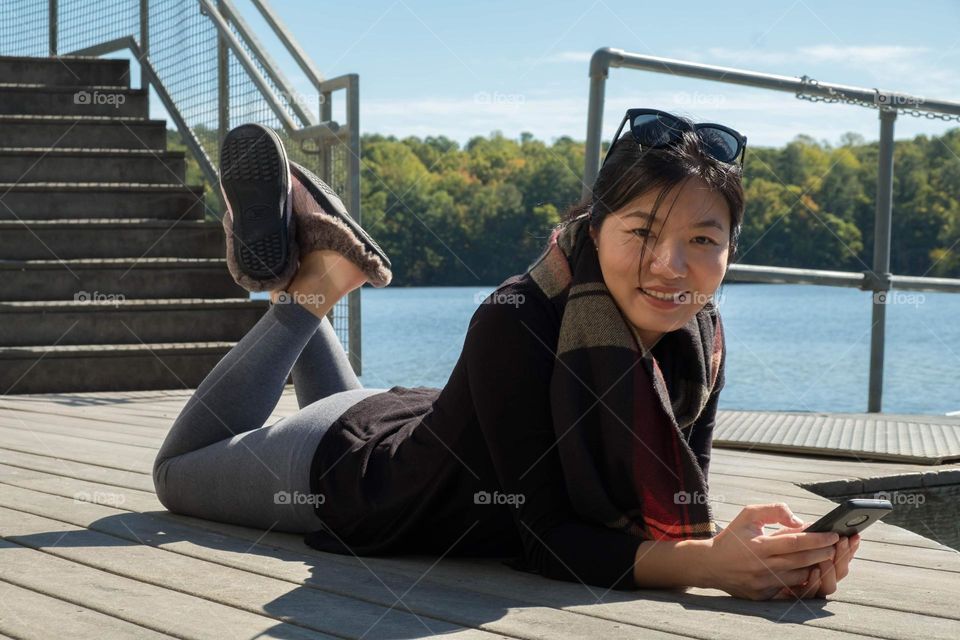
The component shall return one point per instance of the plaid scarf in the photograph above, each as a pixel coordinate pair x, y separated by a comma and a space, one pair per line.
625, 457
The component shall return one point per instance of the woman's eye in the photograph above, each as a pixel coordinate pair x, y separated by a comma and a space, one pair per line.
709, 240
641, 232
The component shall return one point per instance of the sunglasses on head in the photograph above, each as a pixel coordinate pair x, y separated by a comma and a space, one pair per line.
652, 129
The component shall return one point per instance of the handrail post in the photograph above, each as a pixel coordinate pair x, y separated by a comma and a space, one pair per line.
144, 38
882, 230
599, 68
52, 26
223, 86
353, 160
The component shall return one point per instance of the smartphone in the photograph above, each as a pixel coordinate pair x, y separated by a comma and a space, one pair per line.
852, 516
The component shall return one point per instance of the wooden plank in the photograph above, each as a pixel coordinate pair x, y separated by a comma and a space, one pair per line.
919, 439
839, 466
116, 434
161, 610
730, 499
29, 614
498, 580
77, 470
459, 605
461, 598
241, 591
118, 456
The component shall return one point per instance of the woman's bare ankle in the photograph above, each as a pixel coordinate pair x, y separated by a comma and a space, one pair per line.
322, 279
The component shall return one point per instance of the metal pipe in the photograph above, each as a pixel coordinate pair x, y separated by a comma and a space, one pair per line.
270, 65
353, 160
605, 58
766, 274
52, 26
223, 89
882, 232
620, 58
255, 75
301, 58
144, 37
922, 283
599, 64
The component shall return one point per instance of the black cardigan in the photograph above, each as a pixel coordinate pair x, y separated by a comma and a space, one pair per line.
400, 471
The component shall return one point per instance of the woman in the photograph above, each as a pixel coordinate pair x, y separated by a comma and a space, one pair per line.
574, 431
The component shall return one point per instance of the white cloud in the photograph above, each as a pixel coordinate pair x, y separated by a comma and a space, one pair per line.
566, 56
768, 118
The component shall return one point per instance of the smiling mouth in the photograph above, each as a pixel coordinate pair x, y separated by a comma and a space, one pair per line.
677, 298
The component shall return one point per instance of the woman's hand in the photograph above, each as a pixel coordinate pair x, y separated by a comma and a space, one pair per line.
746, 563
828, 574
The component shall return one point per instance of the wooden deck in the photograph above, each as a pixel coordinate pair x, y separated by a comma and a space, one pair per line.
87, 551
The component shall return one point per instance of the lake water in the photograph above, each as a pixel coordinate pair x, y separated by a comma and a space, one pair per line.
790, 347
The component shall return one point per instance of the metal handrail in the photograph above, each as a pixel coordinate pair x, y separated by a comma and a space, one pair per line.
878, 279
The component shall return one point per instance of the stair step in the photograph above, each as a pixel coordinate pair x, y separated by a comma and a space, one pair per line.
81, 101
111, 238
50, 200
73, 71
142, 166
72, 322
113, 278
108, 367
88, 132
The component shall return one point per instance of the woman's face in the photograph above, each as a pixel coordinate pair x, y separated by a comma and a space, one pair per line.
687, 255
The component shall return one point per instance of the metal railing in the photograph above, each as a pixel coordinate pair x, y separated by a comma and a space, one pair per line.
211, 73
879, 280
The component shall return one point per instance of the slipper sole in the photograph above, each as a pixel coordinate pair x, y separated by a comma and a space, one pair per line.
255, 181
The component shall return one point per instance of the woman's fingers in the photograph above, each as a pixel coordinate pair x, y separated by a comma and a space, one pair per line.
813, 587
805, 585
799, 541
846, 548
828, 579
801, 558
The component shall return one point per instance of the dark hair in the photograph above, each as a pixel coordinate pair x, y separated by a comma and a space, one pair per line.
630, 172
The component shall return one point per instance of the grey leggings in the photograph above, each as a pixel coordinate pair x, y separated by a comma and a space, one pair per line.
219, 462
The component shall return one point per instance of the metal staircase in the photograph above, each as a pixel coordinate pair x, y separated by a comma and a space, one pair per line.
110, 278
112, 269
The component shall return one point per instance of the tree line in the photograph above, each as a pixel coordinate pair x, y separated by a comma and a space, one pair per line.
476, 214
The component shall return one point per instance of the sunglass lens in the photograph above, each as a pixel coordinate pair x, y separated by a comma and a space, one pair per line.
720, 144
654, 130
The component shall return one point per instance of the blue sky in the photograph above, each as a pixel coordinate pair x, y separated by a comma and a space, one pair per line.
466, 68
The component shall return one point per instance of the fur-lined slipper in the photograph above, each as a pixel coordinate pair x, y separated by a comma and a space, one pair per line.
261, 252
331, 227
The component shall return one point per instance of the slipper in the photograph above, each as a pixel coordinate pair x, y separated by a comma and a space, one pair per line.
334, 228
262, 254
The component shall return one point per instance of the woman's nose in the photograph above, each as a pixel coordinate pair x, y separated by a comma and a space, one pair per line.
668, 260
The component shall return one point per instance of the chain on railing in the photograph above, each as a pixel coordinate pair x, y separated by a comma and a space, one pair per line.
201, 70
881, 99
